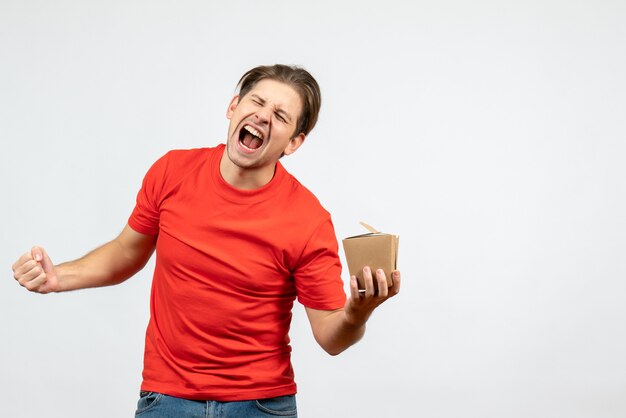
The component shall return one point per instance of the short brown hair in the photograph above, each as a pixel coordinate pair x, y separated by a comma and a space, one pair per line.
296, 77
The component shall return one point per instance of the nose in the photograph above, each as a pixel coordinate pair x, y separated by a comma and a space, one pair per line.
263, 115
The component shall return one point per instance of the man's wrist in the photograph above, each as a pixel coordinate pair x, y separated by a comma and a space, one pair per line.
353, 320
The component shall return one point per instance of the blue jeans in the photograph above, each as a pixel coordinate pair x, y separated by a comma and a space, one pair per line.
158, 405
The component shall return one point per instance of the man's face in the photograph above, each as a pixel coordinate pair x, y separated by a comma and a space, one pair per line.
262, 125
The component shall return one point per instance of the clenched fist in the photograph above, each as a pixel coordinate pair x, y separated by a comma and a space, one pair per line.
34, 270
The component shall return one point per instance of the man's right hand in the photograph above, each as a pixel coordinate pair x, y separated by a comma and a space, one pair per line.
34, 271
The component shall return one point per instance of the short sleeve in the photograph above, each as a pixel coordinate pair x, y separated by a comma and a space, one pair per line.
145, 216
318, 274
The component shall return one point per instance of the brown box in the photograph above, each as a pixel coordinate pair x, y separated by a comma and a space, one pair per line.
374, 249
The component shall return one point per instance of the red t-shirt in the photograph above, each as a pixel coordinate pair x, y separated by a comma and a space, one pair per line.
229, 265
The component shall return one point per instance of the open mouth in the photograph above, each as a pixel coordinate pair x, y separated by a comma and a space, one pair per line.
250, 137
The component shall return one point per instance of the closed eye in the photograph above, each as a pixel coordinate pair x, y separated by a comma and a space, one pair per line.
259, 101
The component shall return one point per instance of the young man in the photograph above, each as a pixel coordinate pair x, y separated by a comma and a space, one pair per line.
238, 239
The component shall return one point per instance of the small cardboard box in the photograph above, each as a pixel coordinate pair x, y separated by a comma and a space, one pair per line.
374, 249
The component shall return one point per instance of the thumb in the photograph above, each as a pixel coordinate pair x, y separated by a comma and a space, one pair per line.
37, 253
40, 255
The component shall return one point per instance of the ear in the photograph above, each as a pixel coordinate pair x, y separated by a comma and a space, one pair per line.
294, 144
231, 107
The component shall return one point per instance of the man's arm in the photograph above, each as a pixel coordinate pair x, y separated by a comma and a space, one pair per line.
110, 264
337, 330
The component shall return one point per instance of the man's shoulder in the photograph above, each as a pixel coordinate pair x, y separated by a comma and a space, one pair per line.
177, 163
190, 154
303, 197
186, 158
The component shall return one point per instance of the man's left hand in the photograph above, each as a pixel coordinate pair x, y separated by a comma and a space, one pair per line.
361, 304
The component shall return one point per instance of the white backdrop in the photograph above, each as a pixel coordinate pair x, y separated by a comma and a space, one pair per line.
489, 135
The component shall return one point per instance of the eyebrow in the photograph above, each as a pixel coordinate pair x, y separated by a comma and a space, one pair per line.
278, 110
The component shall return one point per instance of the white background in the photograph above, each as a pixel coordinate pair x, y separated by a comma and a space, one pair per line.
489, 135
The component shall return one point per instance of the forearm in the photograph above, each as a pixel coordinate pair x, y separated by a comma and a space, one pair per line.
337, 332
105, 266
109, 264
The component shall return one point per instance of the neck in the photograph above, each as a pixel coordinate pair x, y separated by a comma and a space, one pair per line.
245, 178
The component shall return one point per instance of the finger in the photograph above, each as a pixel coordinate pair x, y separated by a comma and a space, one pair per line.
29, 275
354, 288
369, 282
37, 253
23, 259
395, 275
24, 268
36, 284
46, 263
381, 280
